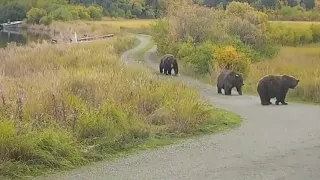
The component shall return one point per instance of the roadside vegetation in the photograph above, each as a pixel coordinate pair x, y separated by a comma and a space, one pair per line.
66, 105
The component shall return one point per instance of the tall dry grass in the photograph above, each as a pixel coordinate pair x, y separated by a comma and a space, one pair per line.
302, 62
64, 105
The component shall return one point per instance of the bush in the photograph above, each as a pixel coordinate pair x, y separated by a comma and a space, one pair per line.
96, 12
227, 57
315, 29
165, 41
191, 38
297, 13
197, 57
62, 14
46, 20
34, 15
12, 11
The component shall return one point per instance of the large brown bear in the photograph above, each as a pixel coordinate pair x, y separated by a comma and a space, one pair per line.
167, 63
275, 86
229, 79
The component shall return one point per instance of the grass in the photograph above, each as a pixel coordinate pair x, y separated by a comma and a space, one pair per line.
66, 105
296, 23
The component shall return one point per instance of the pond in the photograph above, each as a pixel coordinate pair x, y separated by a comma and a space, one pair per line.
20, 37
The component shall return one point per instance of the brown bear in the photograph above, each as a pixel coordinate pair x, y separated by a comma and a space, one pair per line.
229, 79
167, 63
275, 86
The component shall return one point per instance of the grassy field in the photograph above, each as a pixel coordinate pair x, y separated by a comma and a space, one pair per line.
65, 105
295, 23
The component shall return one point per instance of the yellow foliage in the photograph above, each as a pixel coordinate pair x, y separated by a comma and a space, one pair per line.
227, 57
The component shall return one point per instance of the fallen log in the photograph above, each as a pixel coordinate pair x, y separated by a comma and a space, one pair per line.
94, 38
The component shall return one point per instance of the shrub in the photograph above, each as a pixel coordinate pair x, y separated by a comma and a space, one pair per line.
315, 29
166, 43
46, 20
197, 57
83, 12
34, 15
297, 13
96, 12
240, 26
227, 57
12, 11
62, 14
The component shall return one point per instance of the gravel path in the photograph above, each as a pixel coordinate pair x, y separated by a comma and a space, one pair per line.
273, 143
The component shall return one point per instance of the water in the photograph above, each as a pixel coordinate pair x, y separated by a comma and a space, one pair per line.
20, 37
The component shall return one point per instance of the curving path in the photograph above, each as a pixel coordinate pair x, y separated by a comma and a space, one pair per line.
273, 143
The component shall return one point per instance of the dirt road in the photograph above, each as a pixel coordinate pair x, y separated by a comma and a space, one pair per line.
274, 142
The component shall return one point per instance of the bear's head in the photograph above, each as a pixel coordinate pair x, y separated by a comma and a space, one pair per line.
238, 79
290, 81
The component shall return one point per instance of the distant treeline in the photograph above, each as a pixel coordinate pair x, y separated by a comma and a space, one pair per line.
45, 11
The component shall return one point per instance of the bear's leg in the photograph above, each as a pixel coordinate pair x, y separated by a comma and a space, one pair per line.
264, 98
281, 98
239, 89
165, 71
169, 71
219, 90
227, 90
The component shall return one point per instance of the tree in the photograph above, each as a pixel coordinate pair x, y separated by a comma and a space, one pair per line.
12, 11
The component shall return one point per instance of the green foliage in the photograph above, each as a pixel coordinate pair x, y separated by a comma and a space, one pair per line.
34, 15
164, 39
62, 13
12, 11
315, 28
46, 20
199, 57
96, 12
191, 39
159, 8
297, 13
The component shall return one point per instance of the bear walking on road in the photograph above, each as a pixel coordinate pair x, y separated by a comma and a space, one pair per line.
167, 63
275, 86
229, 79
